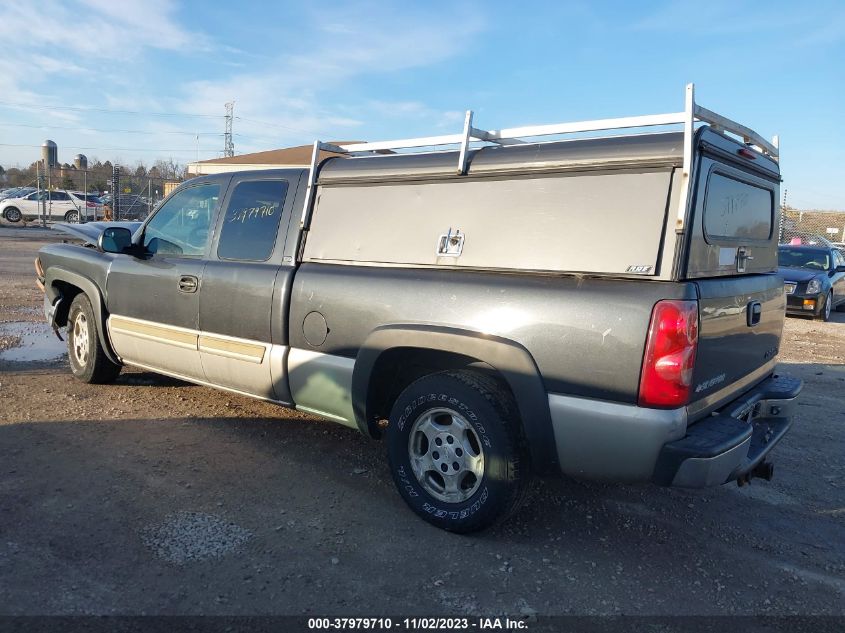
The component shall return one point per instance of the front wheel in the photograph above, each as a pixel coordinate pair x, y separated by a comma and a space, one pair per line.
12, 214
88, 360
827, 308
456, 450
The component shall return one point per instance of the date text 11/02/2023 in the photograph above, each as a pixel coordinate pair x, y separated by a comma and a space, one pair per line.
418, 624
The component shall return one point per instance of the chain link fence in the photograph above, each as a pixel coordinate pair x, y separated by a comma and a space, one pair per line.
812, 227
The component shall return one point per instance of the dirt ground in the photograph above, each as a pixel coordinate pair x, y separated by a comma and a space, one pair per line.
153, 496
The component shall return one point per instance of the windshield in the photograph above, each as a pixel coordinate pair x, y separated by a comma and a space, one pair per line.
794, 258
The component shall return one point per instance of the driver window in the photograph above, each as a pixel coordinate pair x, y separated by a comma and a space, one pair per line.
181, 226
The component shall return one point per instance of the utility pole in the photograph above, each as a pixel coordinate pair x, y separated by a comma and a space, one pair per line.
228, 143
115, 187
48, 168
42, 205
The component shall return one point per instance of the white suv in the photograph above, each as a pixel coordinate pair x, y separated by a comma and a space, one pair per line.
60, 206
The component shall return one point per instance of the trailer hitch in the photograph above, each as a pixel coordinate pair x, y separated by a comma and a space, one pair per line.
763, 470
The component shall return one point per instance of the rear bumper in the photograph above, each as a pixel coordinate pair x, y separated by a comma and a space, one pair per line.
732, 442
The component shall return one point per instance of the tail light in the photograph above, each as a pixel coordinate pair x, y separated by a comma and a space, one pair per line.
669, 357
91, 205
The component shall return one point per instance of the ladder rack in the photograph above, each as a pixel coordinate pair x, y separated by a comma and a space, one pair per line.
691, 114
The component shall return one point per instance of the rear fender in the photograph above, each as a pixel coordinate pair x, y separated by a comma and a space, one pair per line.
510, 359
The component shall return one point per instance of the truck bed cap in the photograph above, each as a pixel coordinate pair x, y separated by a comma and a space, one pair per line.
652, 150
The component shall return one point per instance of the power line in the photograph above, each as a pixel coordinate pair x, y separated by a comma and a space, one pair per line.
110, 110
93, 129
214, 150
276, 125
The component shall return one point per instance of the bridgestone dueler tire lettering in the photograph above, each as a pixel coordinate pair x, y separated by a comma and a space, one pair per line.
97, 369
490, 409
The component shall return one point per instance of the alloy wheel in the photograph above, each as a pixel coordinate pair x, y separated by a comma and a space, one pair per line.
446, 455
80, 339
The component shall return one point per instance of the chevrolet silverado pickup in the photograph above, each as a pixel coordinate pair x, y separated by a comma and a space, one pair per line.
518, 302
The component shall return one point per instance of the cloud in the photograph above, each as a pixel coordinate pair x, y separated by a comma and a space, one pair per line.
53, 39
96, 53
301, 92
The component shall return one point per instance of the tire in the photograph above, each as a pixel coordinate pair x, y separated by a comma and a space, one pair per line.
464, 425
12, 214
72, 217
824, 315
88, 361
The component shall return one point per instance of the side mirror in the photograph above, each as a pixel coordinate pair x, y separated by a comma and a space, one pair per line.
115, 239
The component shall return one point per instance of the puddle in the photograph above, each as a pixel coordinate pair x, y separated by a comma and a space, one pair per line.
38, 342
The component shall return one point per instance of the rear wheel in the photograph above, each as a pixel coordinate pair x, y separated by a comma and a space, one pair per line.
456, 450
88, 360
72, 217
12, 214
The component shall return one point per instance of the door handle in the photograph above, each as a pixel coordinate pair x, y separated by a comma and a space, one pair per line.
188, 283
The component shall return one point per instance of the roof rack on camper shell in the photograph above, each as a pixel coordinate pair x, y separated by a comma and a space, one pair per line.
691, 114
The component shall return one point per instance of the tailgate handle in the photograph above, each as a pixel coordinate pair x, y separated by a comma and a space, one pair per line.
755, 309
742, 258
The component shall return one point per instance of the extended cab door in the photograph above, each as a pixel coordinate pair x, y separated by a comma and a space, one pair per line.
153, 300
243, 300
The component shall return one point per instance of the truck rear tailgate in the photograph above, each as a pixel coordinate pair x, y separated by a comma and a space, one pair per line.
741, 322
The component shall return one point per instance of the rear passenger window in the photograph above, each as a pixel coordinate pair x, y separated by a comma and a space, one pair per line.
251, 222
736, 210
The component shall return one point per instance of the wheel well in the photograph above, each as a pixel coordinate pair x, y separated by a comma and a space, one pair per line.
68, 292
398, 367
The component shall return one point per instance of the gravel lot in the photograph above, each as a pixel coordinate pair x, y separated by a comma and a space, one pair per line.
156, 496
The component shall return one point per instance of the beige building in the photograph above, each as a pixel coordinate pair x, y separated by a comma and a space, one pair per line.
299, 156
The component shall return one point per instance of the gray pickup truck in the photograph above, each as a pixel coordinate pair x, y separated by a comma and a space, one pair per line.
603, 307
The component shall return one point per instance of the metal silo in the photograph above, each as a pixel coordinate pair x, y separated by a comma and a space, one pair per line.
50, 153
80, 161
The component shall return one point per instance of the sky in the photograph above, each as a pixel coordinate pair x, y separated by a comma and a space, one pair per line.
142, 80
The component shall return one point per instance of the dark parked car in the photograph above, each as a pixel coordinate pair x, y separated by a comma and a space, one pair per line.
814, 280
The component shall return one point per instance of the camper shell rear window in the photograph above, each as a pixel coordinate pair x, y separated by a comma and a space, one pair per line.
737, 211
